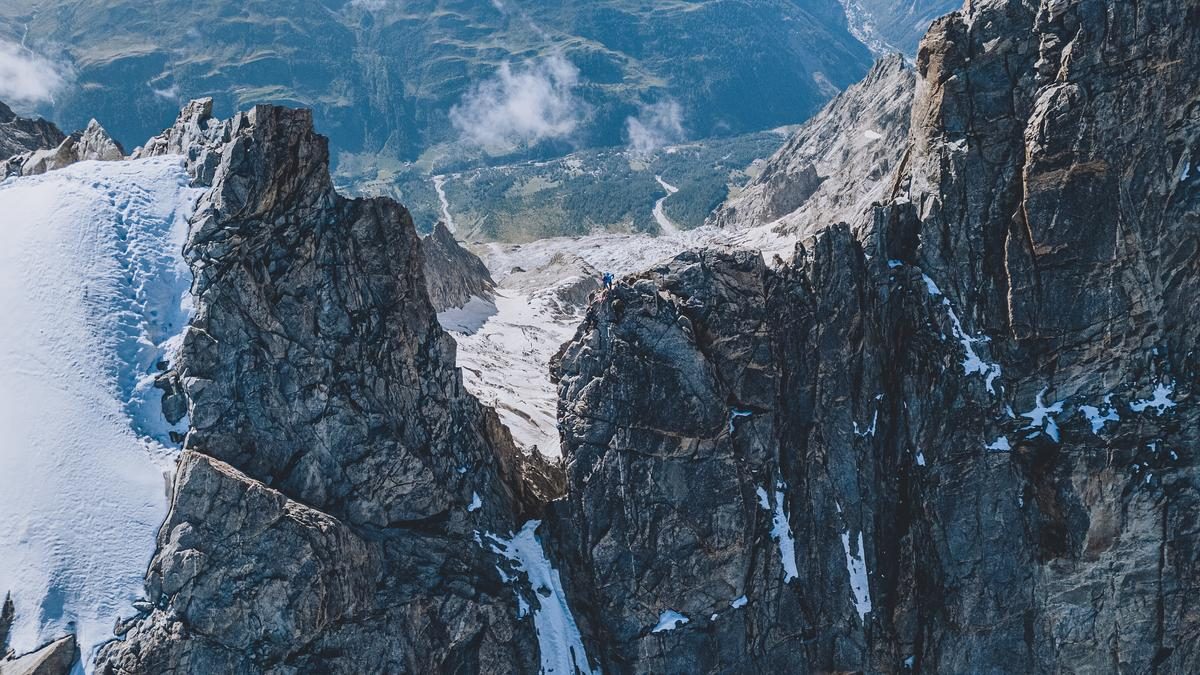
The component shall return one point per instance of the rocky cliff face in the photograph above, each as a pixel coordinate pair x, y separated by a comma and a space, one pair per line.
56, 658
326, 505
453, 275
21, 134
960, 441
957, 433
887, 25
30, 147
93, 143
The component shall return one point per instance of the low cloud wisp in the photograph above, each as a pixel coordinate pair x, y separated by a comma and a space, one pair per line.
522, 106
26, 78
656, 125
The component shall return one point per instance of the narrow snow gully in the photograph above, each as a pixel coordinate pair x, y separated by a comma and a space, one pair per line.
559, 641
94, 293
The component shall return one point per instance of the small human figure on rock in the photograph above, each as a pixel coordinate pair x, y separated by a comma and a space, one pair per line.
607, 279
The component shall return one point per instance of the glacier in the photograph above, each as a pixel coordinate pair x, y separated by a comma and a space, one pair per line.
94, 293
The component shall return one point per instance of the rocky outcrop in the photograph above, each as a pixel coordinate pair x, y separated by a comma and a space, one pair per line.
327, 507
960, 437
19, 135
836, 165
565, 280
7, 614
56, 658
453, 275
196, 135
957, 433
93, 143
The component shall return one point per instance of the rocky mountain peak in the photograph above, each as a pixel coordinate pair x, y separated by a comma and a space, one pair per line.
959, 420
956, 431
453, 275
20, 135
837, 164
325, 407
44, 153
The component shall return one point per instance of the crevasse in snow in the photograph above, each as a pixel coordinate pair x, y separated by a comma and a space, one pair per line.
558, 635
95, 293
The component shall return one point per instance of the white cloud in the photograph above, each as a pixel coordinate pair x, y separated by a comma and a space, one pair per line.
26, 78
521, 106
170, 93
656, 125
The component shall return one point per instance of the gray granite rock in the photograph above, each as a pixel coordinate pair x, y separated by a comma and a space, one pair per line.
837, 164
196, 135
93, 143
19, 135
55, 658
325, 511
956, 433
974, 412
453, 275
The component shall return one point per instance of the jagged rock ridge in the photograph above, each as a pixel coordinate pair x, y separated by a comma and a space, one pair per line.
958, 434
453, 275
55, 658
335, 473
30, 147
958, 437
21, 134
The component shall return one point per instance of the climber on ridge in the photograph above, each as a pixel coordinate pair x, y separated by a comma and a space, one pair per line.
607, 279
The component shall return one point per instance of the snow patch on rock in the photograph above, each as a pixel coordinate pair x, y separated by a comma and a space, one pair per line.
1097, 417
972, 363
1001, 444
669, 620
1041, 417
856, 568
781, 531
1160, 400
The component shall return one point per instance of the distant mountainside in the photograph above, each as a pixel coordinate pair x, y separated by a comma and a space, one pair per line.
894, 25
398, 79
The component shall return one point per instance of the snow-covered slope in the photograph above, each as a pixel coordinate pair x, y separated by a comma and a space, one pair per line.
93, 289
